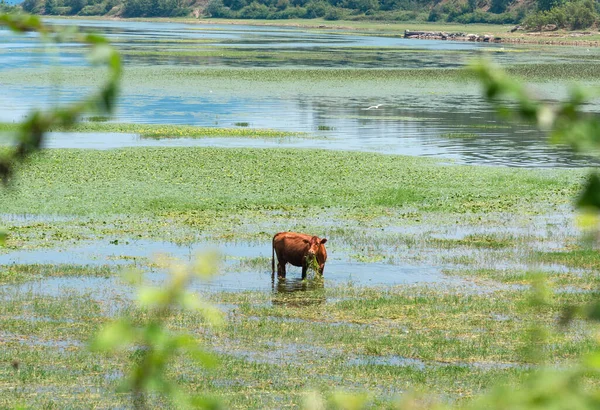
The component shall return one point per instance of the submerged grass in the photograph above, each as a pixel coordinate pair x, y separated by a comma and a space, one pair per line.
287, 79
159, 131
588, 259
477, 241
459, 135
574, 281
26, 272
386, 341
182, 180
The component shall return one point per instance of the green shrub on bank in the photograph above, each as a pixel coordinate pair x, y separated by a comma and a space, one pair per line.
155, 8
573, 16
463, 14
479, 16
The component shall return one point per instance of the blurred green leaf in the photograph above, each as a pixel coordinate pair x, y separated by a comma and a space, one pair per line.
206, 402
32, 132
207, 265
593, 311
114, 336
149, 296
590, 195
313, 401
101, 53
593, 360
349, 401
132, 276
3, 237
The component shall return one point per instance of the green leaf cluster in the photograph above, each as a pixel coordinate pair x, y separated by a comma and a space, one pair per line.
154, 344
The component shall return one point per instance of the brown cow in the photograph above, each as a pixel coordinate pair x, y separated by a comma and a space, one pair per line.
297, 249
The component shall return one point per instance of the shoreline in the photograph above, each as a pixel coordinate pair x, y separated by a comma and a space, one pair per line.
489, 38
500, 33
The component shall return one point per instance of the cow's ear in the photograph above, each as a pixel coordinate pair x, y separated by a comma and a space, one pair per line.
306, 241
323, 240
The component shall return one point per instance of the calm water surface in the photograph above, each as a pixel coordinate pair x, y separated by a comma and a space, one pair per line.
338, 270
444, 121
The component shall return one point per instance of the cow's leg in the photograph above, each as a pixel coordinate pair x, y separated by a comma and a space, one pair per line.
304, 269
280, 269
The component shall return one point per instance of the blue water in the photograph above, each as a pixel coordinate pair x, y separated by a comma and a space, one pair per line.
95, 253
413, 119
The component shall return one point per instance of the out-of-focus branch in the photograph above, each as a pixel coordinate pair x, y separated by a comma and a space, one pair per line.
31, 132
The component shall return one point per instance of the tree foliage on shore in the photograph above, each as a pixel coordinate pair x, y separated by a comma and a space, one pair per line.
122, 8
538, 15
577, 14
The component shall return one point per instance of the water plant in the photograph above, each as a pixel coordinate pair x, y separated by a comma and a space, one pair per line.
161, 131
459, 135
247, 180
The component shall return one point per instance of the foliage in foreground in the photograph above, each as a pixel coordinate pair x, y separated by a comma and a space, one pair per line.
30, 134
155, 345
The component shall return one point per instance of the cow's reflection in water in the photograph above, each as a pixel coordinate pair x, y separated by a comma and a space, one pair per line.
298, 292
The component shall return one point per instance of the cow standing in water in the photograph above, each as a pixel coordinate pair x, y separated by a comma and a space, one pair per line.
298, 249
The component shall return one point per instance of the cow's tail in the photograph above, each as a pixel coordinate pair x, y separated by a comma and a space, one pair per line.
273, 258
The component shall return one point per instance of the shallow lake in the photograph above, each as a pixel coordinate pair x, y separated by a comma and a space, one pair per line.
445, 120
234, 275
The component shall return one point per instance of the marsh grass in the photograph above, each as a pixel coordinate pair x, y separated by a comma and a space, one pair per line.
159, 131
260, 80
313, 266
450, 342
261, 263
17, 273
487, 241
186, 180
575, 281
459, 135
588, 259
98, 118
550, 71
463, 340
485, 126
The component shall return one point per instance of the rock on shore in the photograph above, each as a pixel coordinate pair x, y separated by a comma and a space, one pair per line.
440, 35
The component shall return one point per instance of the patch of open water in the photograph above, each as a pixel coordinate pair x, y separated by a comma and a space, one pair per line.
421, 364
7, 337
293, 353
414, 119
337, 270
459, 152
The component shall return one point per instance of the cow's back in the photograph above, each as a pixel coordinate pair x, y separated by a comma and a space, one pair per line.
291, 247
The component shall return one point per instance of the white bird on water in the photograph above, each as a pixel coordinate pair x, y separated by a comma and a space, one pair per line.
374, 107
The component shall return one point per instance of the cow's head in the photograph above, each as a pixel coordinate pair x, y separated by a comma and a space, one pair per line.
314, 245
